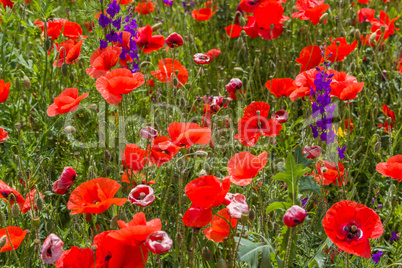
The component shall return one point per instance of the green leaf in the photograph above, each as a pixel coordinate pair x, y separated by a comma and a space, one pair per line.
308, 184
249, 252
278, 205
301, 158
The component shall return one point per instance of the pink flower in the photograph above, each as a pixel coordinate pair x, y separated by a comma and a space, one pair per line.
159, 242
148, 133
233, 85
142, 195
67, 178
52, 249
237, 206
295, 215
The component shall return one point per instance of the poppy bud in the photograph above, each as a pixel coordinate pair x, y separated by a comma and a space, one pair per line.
113, 222
148, 133
48, 43
377, 147
156, 27
94, 248
17, 82
281, 116
244, 218
206, 254
27, 82
373, 37
64, 69
176, 81
69, 130
36, 222
256, 62
2, 217
159, 242
221, 263
295, 215
39, 202
15, 210
52, 249
142, 196
201, 153
238, 70
251, 214
179, 238
323, 17
174, 40
3, 241
357, 34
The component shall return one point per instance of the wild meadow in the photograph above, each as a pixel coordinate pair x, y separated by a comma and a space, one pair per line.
221, 133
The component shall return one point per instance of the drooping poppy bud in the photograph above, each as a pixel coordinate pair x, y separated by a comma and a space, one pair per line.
159, 242
141, 195
52, 249
174, 40
312, 152
281, 116
233, 85
237, 206
148, 133
295, 215
67, 178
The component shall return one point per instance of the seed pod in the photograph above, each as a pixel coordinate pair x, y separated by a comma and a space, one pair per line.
244, 218
15, 210
373, 37
323, 17
156, 27
251, 214
36, 222
107, 155
179, 238
39, 202
206, 254
201, 153
27, 82
238, 70
48, 43
239, 43
3, 241
377, 147
221, 263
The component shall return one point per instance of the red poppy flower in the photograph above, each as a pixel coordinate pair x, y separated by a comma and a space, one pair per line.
66, 180
202, 14
30, 200
201, 58
174, 40
339, 52
281, 87
253, 29
3, 135
282, 116
207, 191
244, 166
124, 2
386, 126
68, 52
52, 249
134, 157
11, 195
142, 196
213, 53
392, 168
220, 228
4, 90
388, 113
249, 6
113, 253
137, 230
348, 124
365, 14
255, 123
148, 42
72, 30
94, 196
384, 21
363, 1
162, 150
102, 60
310, 10
328, 173
76, 258
345, 86
16, 235
187, 134
233, 31
67, 101
145, 8
310, 57
53, 27
349, 225
167, 69
114, 84
125, 37
267, 13
197, 217
7, 3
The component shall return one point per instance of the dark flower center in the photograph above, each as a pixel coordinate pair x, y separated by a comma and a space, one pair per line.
352, 232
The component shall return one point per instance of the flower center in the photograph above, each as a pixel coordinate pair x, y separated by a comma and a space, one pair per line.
352, 232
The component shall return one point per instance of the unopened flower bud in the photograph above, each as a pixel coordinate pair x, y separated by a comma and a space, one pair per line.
36, 222
323, 17
113, 222
27, 82
156, 27
64, 69
251, 214
206, 254
221, 263
69, 130
3, 241
295, 215
15, 210
357, 34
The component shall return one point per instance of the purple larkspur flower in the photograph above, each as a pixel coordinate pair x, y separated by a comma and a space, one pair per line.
377, 256
113, 9
103, 43
394, 236
341, 152
104, 20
